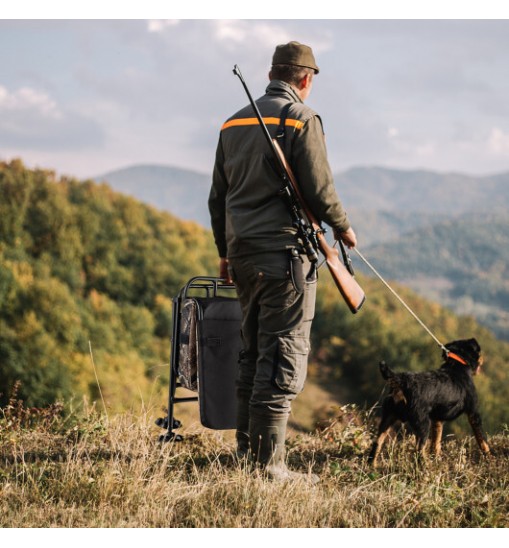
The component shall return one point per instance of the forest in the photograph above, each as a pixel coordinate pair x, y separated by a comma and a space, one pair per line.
83, 268
461, 262
87, 277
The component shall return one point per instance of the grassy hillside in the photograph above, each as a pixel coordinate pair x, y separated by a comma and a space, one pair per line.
86, 472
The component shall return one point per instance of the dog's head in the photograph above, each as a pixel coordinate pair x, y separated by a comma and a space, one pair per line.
468, 351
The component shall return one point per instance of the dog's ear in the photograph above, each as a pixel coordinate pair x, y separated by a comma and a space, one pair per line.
472, 349
475, 345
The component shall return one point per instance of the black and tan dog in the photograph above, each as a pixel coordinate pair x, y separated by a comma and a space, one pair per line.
426, 400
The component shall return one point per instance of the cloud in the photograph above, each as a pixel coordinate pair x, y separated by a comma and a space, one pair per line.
160, 25
30, 118
498, 142
28, 99
229, 31
253, 34
240, 32
236, 32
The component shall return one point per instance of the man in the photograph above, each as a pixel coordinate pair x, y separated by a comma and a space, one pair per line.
260, 251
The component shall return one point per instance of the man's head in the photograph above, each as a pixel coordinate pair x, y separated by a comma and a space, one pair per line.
295, 64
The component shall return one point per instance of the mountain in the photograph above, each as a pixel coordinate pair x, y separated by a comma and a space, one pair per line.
383, 189
462, 263
179, 191
383, 203
375, 227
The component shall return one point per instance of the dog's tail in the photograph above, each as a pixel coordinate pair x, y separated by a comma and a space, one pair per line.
386, 371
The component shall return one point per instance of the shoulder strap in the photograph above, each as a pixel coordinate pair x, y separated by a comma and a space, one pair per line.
281, 130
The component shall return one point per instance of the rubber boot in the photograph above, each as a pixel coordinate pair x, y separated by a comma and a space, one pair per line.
267, 439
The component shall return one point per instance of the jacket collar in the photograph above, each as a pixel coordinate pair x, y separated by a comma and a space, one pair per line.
278, 87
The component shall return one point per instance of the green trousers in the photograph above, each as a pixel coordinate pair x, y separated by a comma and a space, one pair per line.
277, 298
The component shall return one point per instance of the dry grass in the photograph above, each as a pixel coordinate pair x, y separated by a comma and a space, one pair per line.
61, 471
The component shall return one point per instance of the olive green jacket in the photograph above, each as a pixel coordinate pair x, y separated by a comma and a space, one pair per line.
247, 214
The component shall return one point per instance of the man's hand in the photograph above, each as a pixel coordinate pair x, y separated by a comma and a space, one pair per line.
223, 270
348, 237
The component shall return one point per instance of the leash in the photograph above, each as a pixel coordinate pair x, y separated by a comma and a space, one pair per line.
346, 259
373, 269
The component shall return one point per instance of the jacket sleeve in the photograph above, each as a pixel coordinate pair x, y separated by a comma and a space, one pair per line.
217, 204
313, 173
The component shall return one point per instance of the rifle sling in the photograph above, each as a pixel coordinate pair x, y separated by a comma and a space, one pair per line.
281, 138
281, 130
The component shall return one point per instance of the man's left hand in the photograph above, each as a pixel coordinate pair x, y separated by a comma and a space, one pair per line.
348, 237
223, 270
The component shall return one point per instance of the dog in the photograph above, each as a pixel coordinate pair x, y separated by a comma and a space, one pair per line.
426, 400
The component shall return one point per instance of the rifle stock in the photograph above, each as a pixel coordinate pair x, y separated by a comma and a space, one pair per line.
350, 290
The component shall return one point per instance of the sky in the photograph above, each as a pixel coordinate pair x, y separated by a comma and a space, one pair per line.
87, 96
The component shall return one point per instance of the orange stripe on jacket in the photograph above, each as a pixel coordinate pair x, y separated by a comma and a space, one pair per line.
297, 124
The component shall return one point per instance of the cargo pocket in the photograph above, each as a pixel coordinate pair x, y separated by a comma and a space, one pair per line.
297, 271
291, 364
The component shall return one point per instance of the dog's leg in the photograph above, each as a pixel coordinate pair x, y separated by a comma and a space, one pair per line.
377, 445
476, 423
388, 419
437, 428
421, 425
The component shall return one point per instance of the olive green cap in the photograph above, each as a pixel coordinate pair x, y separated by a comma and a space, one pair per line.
296, 54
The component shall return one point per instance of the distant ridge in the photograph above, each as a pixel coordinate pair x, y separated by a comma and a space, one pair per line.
180, 191
384, 189
365, 190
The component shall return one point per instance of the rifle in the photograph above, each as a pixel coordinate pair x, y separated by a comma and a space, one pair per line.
308, 227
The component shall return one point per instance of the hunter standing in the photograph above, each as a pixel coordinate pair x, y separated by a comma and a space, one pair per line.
260, 251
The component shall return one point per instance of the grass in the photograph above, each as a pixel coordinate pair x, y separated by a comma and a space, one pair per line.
65, 470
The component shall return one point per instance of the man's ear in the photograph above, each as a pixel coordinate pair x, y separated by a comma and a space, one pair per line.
306, 81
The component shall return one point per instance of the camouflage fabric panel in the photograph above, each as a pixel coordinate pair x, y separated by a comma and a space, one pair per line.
188, 346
